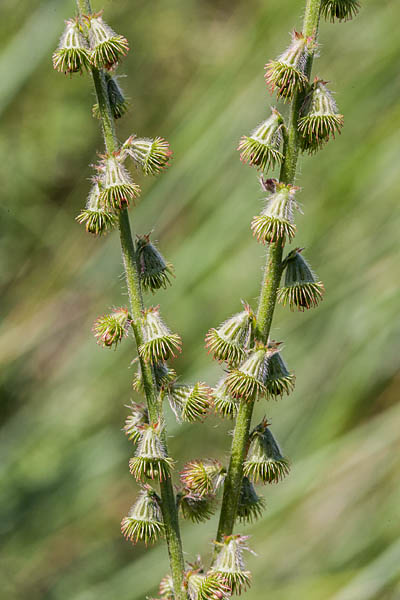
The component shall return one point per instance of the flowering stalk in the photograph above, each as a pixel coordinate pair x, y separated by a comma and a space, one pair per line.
289, 76
116, 44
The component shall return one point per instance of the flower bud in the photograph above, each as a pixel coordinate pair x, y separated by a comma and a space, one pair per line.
163, 375
321, 118
203, 477
230, 340
190, 403
110, 329
153, 269
151, 155
250, 505
106, 46
117, 186
224, 403
261, 148
96, 218
276, 221
144, 521
151, 458
286, 73
118, 104
339, 10
264, 459
195, 508
301, 287
133, 424
159, 343
72, 54
229, 563
167, 588
205, 587
279, 381
249, 379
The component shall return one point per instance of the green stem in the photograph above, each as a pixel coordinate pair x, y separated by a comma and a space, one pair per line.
168, 502
267, 300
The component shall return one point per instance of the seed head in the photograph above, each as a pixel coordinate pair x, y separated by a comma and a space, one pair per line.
231, 339
264, 459
72, 54
153, 269
150, 460
249, 379
144, 521
117, 187
276, 222
106, 46
151, 155
159, 343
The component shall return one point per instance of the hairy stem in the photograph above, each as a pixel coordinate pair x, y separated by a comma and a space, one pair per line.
267, 299
168, 504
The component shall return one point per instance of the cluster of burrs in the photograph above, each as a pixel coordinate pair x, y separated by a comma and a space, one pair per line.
89, 43
227, 576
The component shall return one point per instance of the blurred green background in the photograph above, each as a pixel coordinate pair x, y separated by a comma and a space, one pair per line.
195, 76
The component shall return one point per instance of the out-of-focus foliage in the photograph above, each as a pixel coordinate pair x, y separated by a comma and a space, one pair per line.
331, 529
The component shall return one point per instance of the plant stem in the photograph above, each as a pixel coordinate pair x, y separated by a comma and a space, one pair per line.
267, 299
168, 503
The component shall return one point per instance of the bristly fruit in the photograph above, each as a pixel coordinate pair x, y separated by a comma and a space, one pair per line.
151, 155
151, 459
144, 521
117, 187
301, 288
264, 458
159, 343
231, 339
203, 477
72, 54
133, 423
286, 74
109, 330
229, 563
155, 272
339, 10
225, 404
118, 104
202, 586
261, 148
106, 46
276, 221
320, 118
250, 505
195, 508
279, 381
189, 403
96, 218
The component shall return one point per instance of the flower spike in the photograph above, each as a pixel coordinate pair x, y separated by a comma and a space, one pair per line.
195, 508
321, 118
151, 155
230, 340
151, 460
229, 563
72, 54
279, 381
153, 269
339, 10
144, 521
117, 188
264, 459
96, 218
118, 104
203, 478
159, 343
106, 46
133, 423
190, 403
301, 289
286, 73
261, 148
276, 222
224, 403
111, 329
251, 505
